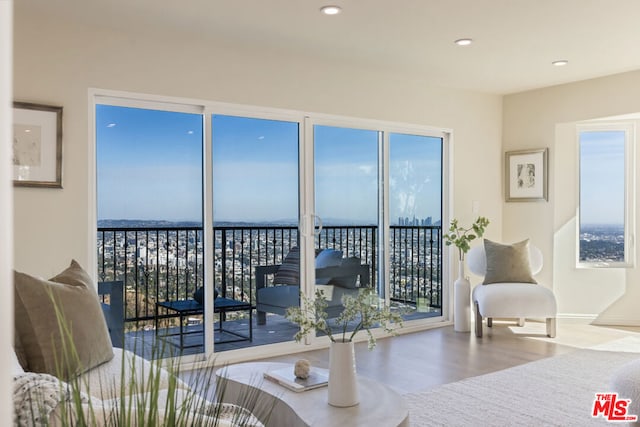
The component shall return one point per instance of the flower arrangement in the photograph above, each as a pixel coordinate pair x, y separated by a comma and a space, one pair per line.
461, 237
365, 310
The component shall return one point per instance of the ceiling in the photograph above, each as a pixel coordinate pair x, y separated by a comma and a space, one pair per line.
515, 41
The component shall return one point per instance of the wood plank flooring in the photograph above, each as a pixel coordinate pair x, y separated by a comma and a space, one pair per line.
423, 360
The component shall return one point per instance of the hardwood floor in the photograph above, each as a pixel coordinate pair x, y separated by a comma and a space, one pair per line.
423, 360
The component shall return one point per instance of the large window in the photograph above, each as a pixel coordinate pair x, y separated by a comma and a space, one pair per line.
214, 217
606, 196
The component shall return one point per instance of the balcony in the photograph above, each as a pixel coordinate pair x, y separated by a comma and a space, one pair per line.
167, 264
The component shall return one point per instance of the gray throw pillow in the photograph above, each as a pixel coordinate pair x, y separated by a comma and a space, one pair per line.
70, 298
507, 263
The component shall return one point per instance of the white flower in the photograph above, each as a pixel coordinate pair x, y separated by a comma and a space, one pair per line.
365, 310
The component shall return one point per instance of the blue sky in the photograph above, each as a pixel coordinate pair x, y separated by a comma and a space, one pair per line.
602, 177
149, 164
150, 167
255, 169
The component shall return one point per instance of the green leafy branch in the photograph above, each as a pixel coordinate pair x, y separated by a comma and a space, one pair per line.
363, 310
461, 237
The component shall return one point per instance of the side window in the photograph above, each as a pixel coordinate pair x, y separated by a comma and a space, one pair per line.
606, 197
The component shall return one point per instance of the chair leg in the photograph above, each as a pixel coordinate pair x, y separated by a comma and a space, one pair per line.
262, 317
521, 321
551, 327
490, 322
478, 322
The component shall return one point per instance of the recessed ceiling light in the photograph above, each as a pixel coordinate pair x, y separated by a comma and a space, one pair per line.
331, 10
560, 63
463, 42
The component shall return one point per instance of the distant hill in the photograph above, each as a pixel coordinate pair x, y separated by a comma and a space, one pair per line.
145, 223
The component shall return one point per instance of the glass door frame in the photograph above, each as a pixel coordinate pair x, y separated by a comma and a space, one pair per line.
212, 109
121, 99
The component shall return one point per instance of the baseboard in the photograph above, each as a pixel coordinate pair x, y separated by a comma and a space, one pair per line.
598, 319
616, 320
579, 317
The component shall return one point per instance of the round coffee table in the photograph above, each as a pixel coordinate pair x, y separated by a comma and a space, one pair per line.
276, 405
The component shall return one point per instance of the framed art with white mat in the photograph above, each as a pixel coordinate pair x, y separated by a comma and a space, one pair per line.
526, 175
37, 145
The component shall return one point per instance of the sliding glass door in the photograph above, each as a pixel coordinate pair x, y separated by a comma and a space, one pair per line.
149, 169
415, 220
255, 222
217, 219
346, 182
379, 195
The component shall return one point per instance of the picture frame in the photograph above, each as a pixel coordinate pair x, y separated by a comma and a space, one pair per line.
526, 174
37, 145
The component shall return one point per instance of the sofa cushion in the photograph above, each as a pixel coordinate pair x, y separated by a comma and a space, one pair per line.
79, 342
327, 258
43, 399
515, 300
349, 281
279, 296
507, 263
123, 375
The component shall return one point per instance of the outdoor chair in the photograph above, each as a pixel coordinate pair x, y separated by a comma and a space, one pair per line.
339, 276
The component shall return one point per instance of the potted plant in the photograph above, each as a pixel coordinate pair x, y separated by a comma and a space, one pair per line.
365, 311
461, 238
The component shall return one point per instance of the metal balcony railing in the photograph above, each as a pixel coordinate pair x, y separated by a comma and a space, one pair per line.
159, 264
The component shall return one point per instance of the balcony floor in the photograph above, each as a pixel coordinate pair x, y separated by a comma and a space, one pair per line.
277, 329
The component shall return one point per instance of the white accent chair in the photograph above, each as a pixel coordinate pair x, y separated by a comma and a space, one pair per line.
511, 300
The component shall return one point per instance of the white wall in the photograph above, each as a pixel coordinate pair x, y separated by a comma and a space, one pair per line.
56, 63
6, 211
546, 118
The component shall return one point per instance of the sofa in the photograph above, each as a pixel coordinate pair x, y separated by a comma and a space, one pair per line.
336, 276
67, 371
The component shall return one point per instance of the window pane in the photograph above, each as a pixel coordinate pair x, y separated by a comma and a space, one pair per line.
255, 213
149, 205
602, 196
415, 205
149, 164
346, 173
255, 170
415, 179
346, 198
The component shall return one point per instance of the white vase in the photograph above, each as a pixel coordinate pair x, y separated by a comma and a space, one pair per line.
462, 302
343, 382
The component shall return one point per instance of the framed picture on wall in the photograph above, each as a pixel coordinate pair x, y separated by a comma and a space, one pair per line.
37, 145
526, 175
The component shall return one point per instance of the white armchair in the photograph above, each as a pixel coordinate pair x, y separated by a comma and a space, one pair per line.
511, 299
